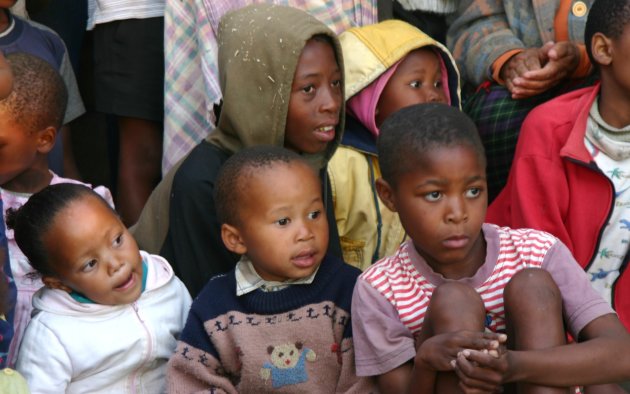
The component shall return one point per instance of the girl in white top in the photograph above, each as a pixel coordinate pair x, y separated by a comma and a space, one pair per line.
109, 315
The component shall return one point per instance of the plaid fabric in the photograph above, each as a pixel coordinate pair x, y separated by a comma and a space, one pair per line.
191, 86
499, 118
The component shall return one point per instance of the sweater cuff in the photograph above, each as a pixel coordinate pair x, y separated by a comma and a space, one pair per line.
501, 60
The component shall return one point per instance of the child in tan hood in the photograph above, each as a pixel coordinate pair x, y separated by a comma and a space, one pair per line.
261, 49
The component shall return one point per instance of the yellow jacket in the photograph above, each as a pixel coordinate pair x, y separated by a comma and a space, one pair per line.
367, 229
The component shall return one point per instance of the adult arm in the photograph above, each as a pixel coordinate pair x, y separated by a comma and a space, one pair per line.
536, 70
478, 36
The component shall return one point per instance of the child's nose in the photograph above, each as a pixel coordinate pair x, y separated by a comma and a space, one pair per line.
305, 232
331, 100
436, 95
456, 211
114, 264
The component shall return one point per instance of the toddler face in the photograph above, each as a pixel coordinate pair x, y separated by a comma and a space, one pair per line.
417, 80
283, 222
442, 205
316, 99
92, 253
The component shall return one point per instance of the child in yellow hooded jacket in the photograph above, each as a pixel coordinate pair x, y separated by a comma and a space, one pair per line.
388, 66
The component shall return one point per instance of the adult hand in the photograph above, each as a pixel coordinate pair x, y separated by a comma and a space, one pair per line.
536, 70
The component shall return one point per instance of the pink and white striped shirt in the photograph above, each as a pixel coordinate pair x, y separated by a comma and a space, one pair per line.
391, 297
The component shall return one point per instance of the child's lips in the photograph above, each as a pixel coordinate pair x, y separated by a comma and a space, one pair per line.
456, 242
304, 259
127, 284
325, 133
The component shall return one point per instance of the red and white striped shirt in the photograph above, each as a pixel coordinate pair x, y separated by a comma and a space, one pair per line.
409, 292
391, 297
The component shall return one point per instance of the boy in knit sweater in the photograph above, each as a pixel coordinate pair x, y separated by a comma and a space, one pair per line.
281, 319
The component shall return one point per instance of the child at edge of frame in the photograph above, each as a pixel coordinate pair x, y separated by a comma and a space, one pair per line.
466, 306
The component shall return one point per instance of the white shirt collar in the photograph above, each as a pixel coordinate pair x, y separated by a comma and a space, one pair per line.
248, 280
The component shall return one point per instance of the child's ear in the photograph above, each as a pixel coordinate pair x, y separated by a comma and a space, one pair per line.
386, 193
46, 139
601, 48
54, 283
232, 239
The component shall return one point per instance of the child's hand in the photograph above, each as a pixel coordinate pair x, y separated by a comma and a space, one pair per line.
437, 352
482, 371
6, 77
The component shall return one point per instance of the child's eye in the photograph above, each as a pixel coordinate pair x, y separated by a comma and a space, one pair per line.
283, 221
433, 196
89, 266
308, 89
415, 84
118, 240
437, 84
473, 192
337, 83
314, 215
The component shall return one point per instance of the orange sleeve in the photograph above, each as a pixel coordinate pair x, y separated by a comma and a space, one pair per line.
501, 60
561, 21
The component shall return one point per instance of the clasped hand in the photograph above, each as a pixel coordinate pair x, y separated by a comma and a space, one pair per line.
536, 70
479, 359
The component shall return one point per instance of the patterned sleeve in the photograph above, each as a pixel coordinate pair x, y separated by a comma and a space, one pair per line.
195, 366
480, 34
381, 341
581, 303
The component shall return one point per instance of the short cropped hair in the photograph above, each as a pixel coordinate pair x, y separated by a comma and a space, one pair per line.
231, 181
39, 96
407, 135
608, 17
33, 220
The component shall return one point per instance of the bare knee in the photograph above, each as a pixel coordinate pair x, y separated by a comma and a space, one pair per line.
533, 310
532, 285
455, 306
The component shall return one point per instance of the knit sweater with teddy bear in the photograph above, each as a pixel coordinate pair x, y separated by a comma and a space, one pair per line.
298, 339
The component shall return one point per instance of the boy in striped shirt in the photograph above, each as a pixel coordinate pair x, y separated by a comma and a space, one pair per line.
464, 306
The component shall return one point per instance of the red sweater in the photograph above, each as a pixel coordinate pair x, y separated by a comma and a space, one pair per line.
555, 185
